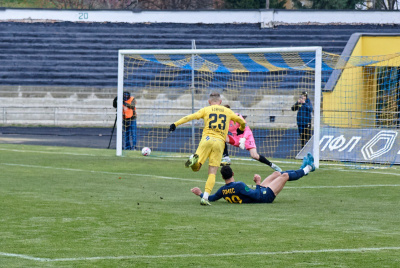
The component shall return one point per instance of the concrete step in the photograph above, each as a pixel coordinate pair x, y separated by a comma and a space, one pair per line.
156, 110
49, 81
171, 27
81, 46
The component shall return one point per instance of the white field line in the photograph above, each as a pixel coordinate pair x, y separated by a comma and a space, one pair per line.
343, 186
369, 172
338, 167
193, 180
333, 250
178, 157
43, 152
22, 256
169, 158
102, 172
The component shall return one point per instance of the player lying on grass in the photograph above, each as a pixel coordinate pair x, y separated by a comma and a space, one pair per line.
216, 119
265, 192
244, 141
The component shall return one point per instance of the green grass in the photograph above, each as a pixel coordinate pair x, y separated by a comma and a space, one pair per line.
74, 207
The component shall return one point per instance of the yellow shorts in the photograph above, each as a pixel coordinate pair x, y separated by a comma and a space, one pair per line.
211, 148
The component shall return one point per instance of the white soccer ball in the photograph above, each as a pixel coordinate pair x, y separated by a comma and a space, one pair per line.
146, 151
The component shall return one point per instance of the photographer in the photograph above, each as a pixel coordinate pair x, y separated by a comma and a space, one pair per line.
304, 108
129, 120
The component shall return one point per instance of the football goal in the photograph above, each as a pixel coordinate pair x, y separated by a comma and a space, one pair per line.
259, 83
295, 100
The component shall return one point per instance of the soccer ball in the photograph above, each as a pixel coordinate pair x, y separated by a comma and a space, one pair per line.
146, 151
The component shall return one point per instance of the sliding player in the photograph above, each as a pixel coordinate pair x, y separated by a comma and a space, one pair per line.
244, 141
265, 192
211, 146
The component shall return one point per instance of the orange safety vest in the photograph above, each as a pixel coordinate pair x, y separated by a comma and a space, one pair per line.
127, 112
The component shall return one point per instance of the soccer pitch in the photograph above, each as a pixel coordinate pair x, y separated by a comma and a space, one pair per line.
74, 207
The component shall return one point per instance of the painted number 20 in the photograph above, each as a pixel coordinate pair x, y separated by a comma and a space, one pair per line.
83, 16
235, 199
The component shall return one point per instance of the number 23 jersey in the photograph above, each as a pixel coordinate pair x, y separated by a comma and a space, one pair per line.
216, 120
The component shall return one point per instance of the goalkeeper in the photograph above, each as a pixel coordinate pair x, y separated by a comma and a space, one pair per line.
216, 119
265, 192
244, 141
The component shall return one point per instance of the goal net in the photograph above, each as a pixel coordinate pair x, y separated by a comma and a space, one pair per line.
360, 114
261, 84
349, 115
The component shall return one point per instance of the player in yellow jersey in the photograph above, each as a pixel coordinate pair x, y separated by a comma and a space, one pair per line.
216, 124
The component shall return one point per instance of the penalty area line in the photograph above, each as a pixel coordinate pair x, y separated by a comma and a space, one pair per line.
46, 152
166, 158
22, 256
333, 250
105, 172
370, 172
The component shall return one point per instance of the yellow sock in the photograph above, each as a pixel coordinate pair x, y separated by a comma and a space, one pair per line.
210, 183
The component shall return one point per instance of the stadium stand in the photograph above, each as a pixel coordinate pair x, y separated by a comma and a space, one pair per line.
74, 65
84, 55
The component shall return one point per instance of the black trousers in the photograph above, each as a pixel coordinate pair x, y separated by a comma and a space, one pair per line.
305, 133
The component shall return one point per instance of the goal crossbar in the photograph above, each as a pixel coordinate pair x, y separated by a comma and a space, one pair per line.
219, 51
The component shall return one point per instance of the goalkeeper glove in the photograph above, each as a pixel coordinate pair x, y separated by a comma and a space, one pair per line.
172, 127
239, 132
242, 142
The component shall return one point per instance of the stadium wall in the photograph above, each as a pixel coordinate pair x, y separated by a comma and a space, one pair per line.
265, 17
359, 45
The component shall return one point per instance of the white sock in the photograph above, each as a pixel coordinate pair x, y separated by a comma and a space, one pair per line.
307, 169
205, 195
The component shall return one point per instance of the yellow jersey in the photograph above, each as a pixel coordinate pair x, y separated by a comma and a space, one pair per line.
216, 120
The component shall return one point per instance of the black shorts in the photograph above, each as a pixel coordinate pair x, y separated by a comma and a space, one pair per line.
267, 195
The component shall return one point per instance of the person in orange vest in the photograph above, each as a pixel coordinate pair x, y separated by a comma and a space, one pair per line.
129, 122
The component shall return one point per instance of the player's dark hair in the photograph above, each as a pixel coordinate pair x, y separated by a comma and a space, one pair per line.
304, 93
226, 172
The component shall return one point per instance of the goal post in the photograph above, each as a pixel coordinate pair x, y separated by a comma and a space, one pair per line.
120, 101
317, 101
261, 83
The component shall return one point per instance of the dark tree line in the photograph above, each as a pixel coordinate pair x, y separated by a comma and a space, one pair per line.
225, 4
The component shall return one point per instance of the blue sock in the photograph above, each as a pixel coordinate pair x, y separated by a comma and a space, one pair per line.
295, 174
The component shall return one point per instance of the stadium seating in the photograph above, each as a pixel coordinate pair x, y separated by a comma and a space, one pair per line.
65, 61
85, 54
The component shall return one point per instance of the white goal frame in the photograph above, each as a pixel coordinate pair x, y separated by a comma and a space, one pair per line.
317, 97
